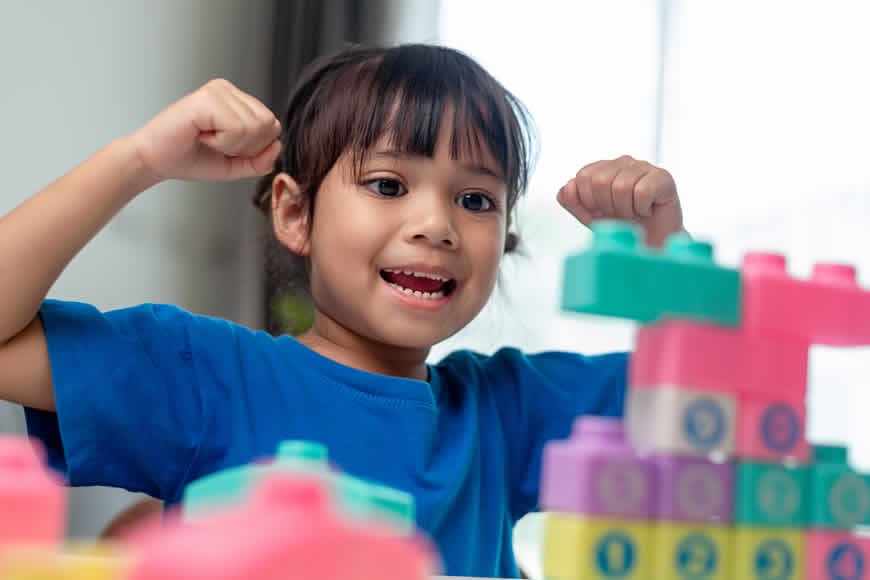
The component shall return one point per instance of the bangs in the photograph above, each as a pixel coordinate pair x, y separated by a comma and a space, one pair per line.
403, 95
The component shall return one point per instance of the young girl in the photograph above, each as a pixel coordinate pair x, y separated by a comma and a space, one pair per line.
392, 174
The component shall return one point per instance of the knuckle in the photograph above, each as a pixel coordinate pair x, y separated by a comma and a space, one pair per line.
621, 185
645, 189
588, 200
599, 181
266, 120
220, 82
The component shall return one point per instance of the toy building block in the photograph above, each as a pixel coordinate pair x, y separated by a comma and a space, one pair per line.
771, 430
580, 548
302, 455
618, 276
692, 490
836, 555
357, 497
681, 421
692, 552
287, 528
596, 473
367, 501
767, 376
32, 498
839, 497
829, 308
725, 360
231, 485
75, 563
768, 554
770, 495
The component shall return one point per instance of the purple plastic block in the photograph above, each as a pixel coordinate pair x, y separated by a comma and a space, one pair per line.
595, 472
693, 489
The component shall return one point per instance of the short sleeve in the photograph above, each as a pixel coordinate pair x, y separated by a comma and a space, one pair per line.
551, 390
129, 409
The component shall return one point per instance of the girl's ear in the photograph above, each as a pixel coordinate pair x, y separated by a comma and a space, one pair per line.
290, 214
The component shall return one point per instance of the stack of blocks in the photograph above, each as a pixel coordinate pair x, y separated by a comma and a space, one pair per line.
710, 476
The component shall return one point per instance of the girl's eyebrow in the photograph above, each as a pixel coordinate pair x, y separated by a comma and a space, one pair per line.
471, 167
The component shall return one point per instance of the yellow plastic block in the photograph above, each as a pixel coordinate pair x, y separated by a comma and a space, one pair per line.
77, 562
768, 553
578, 548
689, 552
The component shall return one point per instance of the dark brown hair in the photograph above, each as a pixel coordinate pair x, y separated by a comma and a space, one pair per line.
347, 101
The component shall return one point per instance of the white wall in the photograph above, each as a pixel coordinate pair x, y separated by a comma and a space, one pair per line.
75, 75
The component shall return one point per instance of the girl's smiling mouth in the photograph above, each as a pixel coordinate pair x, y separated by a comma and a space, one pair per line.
419, 287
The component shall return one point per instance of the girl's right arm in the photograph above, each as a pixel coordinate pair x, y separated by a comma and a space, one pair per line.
216, 133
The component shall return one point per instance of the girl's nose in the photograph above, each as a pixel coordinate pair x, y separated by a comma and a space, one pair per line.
434, 224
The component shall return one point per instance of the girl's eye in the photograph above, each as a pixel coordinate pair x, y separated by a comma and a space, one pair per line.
386, 187
475, 201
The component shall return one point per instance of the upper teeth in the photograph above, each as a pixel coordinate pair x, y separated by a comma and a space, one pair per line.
418, 274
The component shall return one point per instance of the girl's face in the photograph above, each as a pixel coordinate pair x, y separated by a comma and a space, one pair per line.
407, 254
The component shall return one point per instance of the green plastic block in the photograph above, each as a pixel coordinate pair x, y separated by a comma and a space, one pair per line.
228, 486
839, 497
770, 495
369, 501
356, 498
219, 489
618, 276
302, 455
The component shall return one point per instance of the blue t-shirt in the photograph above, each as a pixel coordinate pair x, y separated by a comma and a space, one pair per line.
152, 397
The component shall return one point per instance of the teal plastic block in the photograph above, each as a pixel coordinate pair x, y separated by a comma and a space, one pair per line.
839, 497
618, 276
770, 495
369, 501
229, 486
303, 455
356, 498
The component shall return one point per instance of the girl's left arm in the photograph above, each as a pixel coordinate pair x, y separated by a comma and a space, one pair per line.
627, 189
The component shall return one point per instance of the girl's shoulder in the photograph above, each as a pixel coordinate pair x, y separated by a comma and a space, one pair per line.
152, 326
510, 364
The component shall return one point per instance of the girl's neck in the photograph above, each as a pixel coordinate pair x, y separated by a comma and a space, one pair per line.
330, 339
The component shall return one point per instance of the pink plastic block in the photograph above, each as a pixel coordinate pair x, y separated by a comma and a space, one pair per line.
705, 357
288, 529
836, 556
32, 498
596, 473
768, 377
829, 308
771, 430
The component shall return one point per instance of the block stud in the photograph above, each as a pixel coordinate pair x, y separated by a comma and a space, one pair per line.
835, 274
683, 247
616, 234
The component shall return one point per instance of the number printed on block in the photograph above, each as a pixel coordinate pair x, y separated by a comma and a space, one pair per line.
770, 494
676, 420
771, 430
692, 489
836, 555
584, 548
691, 552
768, 553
